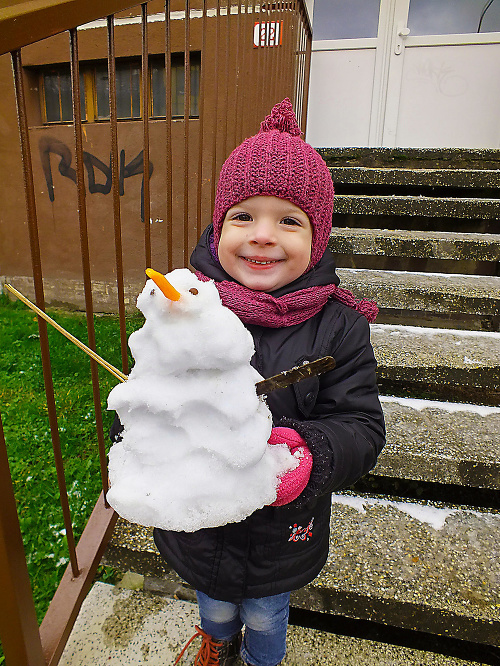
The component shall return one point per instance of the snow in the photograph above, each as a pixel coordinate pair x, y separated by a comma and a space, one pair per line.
419, 404
434, 516
194, 452
396, 329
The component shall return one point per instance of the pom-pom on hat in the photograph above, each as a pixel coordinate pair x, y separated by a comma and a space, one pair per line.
278, 162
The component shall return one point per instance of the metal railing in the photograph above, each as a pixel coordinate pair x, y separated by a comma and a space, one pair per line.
239, 84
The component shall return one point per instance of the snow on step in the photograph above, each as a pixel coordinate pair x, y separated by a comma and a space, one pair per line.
443, 442
423, 347
447, 364
412, 564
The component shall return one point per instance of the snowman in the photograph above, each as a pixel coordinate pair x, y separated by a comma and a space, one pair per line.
194, 451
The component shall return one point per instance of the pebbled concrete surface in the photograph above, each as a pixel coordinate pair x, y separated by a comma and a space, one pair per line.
410, 564
417, 244
118, 626
441, 442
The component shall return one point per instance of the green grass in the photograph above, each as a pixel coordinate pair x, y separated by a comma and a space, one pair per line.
27, 433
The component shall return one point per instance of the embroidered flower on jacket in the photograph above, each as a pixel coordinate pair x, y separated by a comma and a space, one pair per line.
300, 533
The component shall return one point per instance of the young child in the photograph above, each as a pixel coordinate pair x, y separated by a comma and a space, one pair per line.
266, 252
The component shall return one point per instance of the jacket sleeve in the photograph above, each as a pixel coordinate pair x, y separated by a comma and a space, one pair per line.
345, 429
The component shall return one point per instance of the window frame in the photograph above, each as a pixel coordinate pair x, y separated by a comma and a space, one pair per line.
88, 87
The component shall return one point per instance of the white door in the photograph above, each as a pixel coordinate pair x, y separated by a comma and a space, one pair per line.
427, 76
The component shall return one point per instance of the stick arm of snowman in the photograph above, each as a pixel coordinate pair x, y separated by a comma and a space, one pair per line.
263, 387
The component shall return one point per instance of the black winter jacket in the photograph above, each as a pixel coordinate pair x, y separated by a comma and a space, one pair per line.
278, 549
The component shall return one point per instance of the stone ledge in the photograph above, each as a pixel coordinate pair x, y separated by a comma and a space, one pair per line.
441, 442
426, 292
69, 294
397, 177
428, 158
416, 244
363, 204
452, 364
415, 565
121, 626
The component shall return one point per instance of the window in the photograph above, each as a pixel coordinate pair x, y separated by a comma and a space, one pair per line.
428, 17
338, 19
94, 86
177, 74
128, 90
57, 102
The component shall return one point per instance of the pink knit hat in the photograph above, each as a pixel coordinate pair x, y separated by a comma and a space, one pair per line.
277, 162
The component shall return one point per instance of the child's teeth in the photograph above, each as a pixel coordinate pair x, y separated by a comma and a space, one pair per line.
254, 261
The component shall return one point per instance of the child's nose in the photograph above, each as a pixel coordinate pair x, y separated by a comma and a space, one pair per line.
263, 232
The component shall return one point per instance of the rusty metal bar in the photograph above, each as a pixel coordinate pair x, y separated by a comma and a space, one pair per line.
279, 51
168, 137
85, 254
262, 57
187, 113
201, 111
40, 301
227, 50
215, 121
272, 53
64, 607
307, 73
145, 198
23, 23
266, 97
18, 624
237, 60
298, 70
244, 25
115, 188
290, 57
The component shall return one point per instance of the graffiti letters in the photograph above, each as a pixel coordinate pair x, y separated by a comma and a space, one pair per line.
93, 166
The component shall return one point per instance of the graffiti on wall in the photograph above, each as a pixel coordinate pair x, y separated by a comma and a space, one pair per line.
93, 165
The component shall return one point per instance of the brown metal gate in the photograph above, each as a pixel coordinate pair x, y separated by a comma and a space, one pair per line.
250, 56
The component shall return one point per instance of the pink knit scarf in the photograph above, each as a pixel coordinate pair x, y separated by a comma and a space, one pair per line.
259, 307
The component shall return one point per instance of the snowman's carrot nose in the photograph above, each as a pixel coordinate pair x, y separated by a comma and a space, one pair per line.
163, 284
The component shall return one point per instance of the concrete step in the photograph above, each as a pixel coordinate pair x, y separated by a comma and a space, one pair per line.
413, 158
455, 365
443, 245
411, 564
415, 565
418, 206
441, 442
467, 301
119, 626
483, 179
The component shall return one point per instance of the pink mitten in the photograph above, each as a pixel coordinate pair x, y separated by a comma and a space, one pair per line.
292, 483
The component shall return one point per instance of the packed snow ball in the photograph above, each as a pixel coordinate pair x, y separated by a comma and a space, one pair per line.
194, 449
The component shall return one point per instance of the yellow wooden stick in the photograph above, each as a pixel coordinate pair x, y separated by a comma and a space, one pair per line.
110, 368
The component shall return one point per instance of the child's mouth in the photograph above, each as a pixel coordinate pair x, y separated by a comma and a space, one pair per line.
261, 262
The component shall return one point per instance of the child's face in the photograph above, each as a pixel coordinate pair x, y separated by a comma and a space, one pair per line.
265, 242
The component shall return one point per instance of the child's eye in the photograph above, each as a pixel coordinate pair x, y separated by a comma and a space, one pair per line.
243, 217
290, 221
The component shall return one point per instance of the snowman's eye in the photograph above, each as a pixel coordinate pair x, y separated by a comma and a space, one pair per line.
193, 291
152, 292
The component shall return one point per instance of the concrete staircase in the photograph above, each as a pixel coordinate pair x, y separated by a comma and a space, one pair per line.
414, 556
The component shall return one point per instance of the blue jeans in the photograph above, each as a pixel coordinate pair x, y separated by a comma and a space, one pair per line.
265, 620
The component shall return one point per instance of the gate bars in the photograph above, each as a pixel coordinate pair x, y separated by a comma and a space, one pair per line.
238, 87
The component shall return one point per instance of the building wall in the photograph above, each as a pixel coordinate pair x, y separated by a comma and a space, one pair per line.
240, 85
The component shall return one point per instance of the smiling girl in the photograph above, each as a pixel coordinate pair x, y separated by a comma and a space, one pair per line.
267, 254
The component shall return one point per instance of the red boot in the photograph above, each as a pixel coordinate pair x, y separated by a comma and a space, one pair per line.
213, 652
